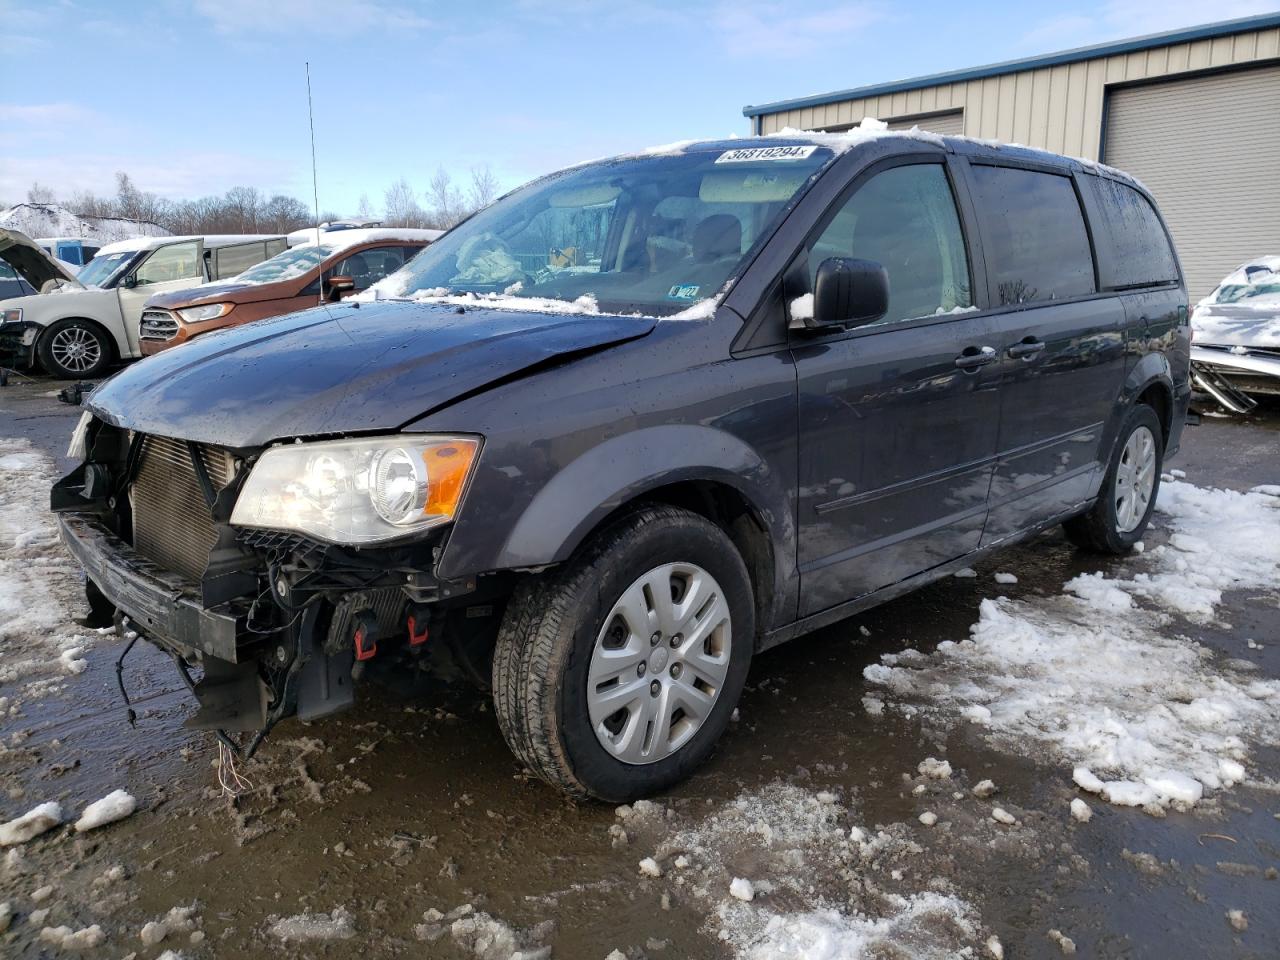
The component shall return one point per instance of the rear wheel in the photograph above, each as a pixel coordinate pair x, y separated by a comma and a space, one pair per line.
615, 675
1119, 517
74, 350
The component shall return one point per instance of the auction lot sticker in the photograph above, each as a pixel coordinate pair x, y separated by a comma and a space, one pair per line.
753, 154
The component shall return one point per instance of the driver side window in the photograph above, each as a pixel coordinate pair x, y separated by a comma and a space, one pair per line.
904, 219
177, 261
369, 266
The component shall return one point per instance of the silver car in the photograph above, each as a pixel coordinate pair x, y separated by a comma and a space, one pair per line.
1235, 351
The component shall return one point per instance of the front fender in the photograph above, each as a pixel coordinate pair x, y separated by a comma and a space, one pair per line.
623, 468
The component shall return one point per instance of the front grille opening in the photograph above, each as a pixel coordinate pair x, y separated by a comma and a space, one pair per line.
172, 524
157, 325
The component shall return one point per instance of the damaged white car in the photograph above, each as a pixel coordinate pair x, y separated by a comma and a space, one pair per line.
1235, 351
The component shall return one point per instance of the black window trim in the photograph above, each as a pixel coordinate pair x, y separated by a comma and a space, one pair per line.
800, 261
1060, 170
1094, 211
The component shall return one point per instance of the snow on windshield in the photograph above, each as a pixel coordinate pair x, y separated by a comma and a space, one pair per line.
291, 263
1245, 309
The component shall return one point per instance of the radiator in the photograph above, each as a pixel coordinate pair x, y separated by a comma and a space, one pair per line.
172, 524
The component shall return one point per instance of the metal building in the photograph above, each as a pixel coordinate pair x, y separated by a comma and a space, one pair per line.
1194, 114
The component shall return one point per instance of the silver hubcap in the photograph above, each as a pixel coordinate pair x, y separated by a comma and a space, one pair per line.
75, 348
659, 663
1135, 479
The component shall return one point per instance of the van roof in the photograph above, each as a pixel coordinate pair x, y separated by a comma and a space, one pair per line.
210, 241
875, 131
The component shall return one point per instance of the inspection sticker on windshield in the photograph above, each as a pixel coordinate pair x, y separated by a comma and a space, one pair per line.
683, 291
753, 154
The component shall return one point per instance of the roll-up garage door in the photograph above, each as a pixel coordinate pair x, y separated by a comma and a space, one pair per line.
1208, 149
946, 124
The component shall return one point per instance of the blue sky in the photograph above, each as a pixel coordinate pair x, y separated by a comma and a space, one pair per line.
194, 97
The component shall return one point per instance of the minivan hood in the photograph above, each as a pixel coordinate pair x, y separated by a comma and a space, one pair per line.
31, 263
340, 369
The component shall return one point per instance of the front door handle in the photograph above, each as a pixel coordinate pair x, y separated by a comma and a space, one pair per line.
1025, 350
974, 357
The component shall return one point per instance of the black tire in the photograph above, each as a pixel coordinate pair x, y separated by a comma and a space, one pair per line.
58, 353
549, 633
1098, 530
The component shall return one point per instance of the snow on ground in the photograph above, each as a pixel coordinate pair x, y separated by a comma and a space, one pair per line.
784, 875
1103, 678
114, 806
39, 583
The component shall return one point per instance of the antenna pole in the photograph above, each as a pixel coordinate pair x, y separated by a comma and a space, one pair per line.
315, 185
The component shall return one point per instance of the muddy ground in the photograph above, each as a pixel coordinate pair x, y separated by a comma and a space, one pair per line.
412, 802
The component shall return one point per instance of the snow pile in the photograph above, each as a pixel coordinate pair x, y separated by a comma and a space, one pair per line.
39, 582
337, 925
114, 806
782, 875
1099, 678
54, 220
31, 824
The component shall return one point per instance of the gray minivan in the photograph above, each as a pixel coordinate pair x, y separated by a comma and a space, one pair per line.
632, 424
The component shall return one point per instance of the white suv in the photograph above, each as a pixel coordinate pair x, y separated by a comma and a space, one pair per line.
77, 328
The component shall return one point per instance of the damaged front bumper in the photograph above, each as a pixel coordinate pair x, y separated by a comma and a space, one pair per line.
163, 606
18, 342
1231, 374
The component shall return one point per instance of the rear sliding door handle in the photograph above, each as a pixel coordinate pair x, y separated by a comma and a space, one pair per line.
1025, 350
974, 357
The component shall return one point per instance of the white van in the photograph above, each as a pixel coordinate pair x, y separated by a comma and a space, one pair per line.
76, 329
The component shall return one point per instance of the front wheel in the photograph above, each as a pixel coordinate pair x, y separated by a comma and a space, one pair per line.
74, 350
615, 675
1119, 517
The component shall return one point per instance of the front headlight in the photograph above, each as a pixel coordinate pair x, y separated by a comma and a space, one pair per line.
358, 491
210, 311
11, 315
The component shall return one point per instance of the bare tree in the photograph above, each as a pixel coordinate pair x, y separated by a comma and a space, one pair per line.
401, 204
446, 202
282, 214
484, 187
37, 193
364, 211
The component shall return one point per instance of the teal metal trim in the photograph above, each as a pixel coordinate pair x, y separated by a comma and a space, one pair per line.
1206, 31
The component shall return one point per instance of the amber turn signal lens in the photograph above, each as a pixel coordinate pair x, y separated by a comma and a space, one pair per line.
448, 465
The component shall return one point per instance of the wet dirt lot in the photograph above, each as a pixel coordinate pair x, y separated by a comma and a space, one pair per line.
411, 802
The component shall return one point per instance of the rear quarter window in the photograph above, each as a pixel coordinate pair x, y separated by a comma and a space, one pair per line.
1036, 244
1134, 249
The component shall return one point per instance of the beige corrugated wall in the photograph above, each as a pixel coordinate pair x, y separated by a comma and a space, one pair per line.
1208, 148
1053, 108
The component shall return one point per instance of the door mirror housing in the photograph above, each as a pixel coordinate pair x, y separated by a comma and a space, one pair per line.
337, 286
848, 292
129, 281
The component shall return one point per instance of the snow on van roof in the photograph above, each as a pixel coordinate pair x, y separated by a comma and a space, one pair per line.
210, 241
336, 240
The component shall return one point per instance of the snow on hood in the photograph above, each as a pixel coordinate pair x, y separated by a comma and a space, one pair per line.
1244, 310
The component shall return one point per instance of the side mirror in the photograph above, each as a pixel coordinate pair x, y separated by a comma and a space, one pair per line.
130, 281
337, 286
848, 292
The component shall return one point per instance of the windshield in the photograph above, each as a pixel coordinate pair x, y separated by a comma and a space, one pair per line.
293, 262
1257, 284
652, 233
104, 267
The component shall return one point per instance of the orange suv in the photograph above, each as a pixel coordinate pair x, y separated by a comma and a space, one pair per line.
311, 273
